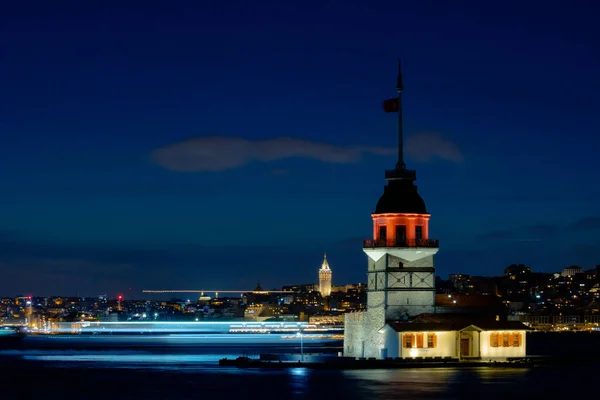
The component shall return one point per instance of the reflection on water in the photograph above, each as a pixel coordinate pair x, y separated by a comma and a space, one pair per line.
438, 382
298, 380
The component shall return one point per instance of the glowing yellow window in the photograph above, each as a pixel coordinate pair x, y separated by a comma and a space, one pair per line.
431, 340
494, 339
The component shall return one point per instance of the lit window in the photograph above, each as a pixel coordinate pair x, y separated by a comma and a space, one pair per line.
419, 340
505, 340
494, 340
431, 340
516, 340
408, 340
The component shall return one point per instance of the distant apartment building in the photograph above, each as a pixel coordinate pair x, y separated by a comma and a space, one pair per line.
514, 271
572, 270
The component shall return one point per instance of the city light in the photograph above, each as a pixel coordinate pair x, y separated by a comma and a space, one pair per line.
175, 327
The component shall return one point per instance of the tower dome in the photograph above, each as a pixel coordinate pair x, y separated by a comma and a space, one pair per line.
400, 196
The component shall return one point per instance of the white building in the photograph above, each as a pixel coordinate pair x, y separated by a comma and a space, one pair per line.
325, 276
401, 277
454, 336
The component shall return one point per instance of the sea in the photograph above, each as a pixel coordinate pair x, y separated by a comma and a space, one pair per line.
176, 367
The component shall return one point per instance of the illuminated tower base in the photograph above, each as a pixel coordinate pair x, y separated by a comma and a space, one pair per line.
401, 272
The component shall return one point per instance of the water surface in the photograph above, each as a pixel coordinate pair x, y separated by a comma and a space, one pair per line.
192, 372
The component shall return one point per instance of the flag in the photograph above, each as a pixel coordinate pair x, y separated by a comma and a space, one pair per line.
390, 105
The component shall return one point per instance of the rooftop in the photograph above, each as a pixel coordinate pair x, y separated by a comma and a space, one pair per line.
400, 196
454, 322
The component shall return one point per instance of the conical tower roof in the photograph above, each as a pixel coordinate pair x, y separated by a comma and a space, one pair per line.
325, 264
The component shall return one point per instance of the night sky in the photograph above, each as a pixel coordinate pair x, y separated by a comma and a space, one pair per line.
214, 144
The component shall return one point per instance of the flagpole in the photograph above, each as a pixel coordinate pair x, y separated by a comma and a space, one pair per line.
400, 165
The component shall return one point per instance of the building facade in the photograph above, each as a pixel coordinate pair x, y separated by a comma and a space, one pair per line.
484, 340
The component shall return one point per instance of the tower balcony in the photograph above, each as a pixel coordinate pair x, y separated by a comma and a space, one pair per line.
372, 244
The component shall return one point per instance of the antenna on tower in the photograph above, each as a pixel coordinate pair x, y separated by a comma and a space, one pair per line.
400, 86
394, 105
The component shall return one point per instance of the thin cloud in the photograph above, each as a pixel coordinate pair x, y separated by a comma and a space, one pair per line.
508, 236
426, 146
542, 231
527, 233
496, 235
589, 223
60, 269
538, 198
220, 153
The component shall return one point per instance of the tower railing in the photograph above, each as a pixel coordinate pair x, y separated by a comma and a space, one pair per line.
370, 243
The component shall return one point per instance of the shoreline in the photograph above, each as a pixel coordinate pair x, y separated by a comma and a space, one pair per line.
341, 363
364, 364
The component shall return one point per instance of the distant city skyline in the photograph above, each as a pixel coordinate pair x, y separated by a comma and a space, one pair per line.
210, 146
191, 292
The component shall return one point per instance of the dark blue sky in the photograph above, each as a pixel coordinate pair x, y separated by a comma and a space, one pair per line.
144, 146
